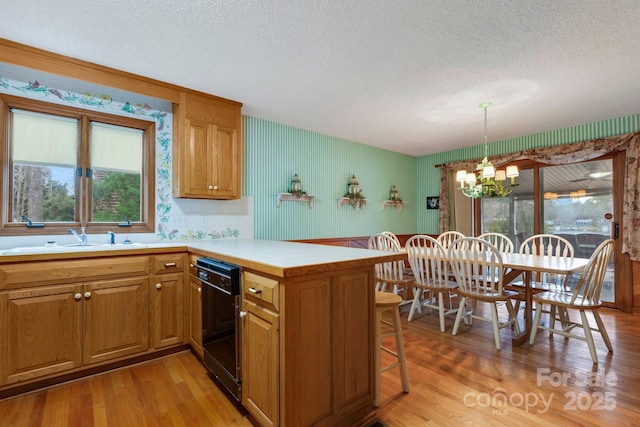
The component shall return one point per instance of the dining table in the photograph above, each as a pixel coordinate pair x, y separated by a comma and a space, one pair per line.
516, 264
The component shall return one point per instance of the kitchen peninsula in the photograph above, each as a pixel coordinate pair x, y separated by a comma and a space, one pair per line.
320, 302
308, 334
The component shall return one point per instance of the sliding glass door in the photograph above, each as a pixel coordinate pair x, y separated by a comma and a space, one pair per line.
574, 201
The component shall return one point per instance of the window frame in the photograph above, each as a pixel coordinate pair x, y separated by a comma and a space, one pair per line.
83, 189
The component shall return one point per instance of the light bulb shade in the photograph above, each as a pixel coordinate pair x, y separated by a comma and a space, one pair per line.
512, 171
461, 176
500, 175
471, 178
488, 171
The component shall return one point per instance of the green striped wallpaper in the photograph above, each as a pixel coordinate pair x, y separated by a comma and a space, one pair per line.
429, 176
274, 152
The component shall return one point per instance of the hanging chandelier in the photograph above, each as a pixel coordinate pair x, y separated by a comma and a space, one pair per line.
486, 180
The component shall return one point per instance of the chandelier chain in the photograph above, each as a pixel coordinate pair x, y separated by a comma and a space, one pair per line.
486, 146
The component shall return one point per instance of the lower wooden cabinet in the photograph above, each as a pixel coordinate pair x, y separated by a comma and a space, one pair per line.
54, 329
307, 347
166, 302
166, 297
116, 319
260, 363
195, 317
111, 308
40, 332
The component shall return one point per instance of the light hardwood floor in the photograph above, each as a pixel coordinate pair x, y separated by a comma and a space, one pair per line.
460, 380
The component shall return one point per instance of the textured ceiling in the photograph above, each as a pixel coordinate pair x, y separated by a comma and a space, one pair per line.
403, 75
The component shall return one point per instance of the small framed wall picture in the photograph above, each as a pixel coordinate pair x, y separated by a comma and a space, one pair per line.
433, 202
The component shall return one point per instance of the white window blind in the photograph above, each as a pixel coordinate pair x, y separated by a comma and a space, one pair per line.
42, 139
116, 148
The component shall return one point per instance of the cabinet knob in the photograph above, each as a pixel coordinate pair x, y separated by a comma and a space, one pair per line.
78, 296
87, 294
158, 285
215, 187
199, 290
191, 265
211, 187
242, 313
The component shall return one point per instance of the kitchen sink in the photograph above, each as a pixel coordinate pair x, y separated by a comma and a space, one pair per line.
74, 247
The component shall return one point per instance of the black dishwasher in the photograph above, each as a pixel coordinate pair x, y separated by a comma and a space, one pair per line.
221, 330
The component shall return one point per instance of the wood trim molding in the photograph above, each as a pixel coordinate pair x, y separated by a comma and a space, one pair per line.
38, 59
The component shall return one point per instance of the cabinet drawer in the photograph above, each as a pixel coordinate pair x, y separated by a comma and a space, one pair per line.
27, 274
262, 290
169, 263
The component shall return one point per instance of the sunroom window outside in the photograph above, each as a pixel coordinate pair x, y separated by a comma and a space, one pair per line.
116, 164
44, 152
512, 215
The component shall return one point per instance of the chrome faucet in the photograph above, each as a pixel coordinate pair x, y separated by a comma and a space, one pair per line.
82, 237
112, 237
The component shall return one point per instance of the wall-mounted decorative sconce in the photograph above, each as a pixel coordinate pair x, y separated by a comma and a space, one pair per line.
354, 186
393, 194
353, 197
295, 193
296, 186
394, 199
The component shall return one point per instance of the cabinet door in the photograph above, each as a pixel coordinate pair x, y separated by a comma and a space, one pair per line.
196, 159
40, 332
195, 317
116, 319
226, 162
167, 309
260, 364
208, 155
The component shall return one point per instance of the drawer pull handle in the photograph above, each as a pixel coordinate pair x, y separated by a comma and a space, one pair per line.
169, 264
254, 291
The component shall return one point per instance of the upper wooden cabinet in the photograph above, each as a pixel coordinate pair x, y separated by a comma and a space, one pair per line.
208, 151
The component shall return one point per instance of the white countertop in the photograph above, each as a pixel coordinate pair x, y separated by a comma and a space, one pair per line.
270, 256
283, 254
288, 259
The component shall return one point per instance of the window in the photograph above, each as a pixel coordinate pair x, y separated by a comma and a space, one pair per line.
65, 167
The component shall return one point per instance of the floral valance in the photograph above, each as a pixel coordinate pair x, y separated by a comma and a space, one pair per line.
565, 154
